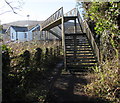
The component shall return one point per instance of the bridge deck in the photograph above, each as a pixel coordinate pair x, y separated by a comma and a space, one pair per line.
58, 22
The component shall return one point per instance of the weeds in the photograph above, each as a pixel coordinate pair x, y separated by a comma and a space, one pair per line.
26, 73
106, 85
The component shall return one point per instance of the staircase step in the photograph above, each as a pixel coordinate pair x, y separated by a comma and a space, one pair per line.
77, 39
82, 47
85, 56
75, 62
80, 53
67, 44
81, 59
74, 34
78, 47
78, 50
79, 42
80, 66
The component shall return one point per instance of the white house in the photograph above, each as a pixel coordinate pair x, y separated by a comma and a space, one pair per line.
19, 33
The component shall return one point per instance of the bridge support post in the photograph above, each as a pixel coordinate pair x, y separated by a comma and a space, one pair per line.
75, 26
63, 41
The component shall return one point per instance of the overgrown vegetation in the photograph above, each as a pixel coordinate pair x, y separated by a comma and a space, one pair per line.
27, 72
106, 19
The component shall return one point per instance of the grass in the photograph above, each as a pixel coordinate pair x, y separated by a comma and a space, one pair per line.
105, 82
28, 84
19, 47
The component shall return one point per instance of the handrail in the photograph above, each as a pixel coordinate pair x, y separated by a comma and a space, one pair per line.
57, 15
89, 34
53, 17
72, 12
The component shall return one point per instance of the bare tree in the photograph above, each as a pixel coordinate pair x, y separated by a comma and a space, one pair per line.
13, 6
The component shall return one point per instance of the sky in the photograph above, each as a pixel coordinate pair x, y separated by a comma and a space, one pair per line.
36, 9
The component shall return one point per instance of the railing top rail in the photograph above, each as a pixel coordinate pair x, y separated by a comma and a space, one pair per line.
53, 17
72, 12
58, 10
57, 15
87, 30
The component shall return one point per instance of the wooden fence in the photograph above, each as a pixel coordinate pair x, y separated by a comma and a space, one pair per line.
20, 71
27, 60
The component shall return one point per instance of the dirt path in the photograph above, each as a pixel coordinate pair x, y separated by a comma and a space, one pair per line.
69, 88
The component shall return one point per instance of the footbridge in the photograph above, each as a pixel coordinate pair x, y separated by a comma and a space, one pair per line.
79, 46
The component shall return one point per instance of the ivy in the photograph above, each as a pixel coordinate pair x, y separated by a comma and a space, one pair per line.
5, 48
105, 15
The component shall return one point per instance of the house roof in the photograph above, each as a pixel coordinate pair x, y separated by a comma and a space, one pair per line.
20, 29
22, 23
34, 28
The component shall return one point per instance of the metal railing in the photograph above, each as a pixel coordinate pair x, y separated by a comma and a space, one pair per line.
53, 17
86, 29
72, 12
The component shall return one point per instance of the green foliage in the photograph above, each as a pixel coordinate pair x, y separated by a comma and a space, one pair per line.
29, 72
106, 18
105, 15
1, 27
106, 85
107, 82
6, 48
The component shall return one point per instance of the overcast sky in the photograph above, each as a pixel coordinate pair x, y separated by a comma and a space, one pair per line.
37, 9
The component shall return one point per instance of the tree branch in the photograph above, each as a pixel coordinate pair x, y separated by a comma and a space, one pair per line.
4, 12
10, 6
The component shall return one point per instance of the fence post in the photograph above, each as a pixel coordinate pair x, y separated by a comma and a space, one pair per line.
26, 58
37, 57
6, 61
54, 52
51, 51
5, 79
46, 53
58, 50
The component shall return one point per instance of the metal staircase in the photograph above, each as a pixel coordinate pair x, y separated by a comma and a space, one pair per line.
80, 49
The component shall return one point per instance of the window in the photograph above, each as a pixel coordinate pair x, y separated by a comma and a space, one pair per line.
12, 36
25, 36
16, 36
